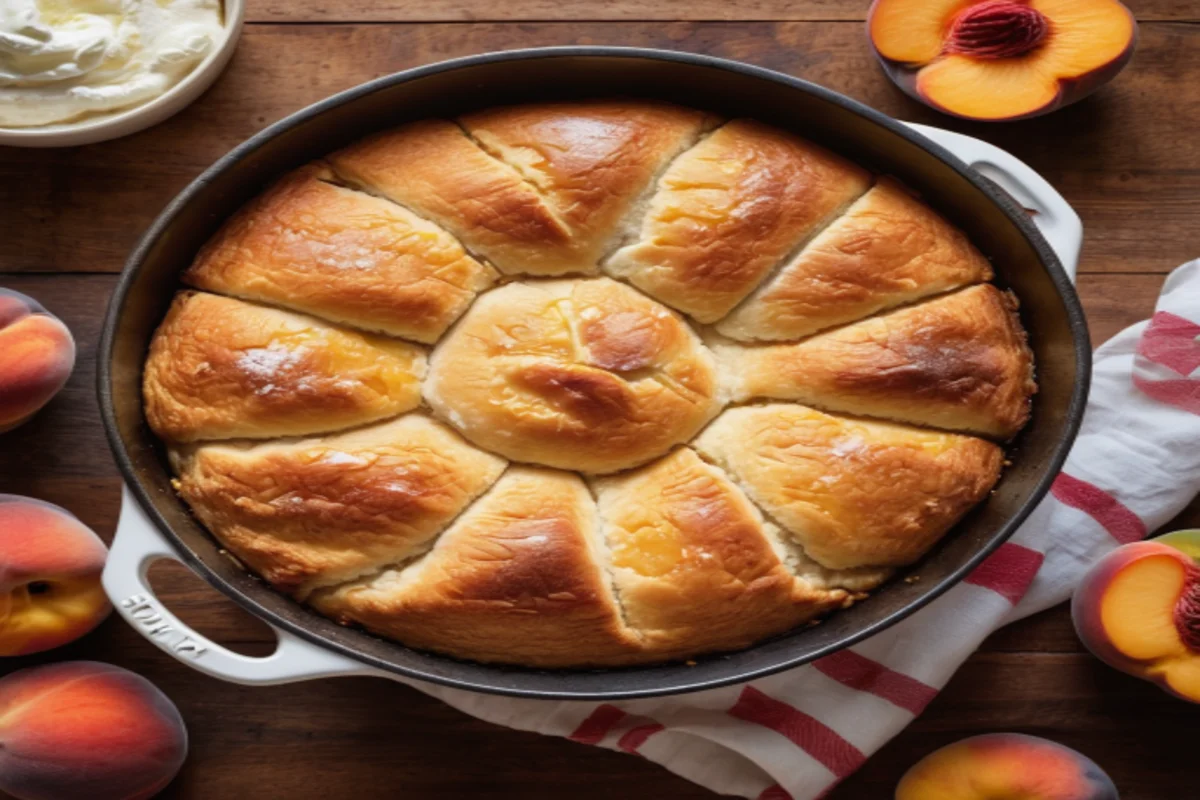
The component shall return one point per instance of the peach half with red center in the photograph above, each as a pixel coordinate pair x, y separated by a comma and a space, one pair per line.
1005, 766
50, 565
1001, 59
1138, 610
37, 355
82, 730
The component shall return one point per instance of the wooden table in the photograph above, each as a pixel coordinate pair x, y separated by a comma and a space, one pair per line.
1128, 159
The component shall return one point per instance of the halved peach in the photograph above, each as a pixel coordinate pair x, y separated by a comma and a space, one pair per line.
1001, 59
1138, 610
1005, 766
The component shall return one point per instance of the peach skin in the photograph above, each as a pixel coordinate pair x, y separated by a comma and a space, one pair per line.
1005, 766
1001, 59
1138, 610
37, 355
50, 565
82, 730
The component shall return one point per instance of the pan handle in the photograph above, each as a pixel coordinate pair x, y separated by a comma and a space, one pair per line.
136, 546
1052, 215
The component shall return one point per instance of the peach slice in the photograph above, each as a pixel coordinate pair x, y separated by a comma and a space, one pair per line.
37, 355
1138, 610
1005, 766
50, 565
1001, 59
82, 730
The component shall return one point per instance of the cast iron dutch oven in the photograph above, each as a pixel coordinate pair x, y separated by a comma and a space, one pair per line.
999, 227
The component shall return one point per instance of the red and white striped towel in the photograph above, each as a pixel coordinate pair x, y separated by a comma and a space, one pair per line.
1135, 465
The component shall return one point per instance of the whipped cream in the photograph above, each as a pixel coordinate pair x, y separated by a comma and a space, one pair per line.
61, 60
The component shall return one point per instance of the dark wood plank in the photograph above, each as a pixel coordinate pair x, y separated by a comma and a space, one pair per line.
1130, 168
625, 10
343, 739
1114, 302
1129, 727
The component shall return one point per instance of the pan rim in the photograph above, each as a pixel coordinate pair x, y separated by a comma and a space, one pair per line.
130, 272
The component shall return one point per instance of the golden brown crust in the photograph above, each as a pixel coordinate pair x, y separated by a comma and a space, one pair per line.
772, 516
586, 375
340, 254
483, 202
517, 579
592, 160
888, 249
321, 511
728, 211
692, 564
958, 362
539, 190
221, 368
853, 493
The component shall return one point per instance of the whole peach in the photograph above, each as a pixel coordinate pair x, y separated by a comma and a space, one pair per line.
1005, 765
50, 565
37, 355
82, 729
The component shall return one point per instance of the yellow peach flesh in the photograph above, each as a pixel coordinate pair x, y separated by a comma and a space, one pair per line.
27, 617
1085, 34
1014, 87
1183, 677
913, 32
1138, 608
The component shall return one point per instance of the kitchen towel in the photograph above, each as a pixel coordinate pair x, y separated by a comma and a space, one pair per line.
1135, 465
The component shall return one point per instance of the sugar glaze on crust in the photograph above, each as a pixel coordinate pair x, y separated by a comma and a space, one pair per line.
585, 384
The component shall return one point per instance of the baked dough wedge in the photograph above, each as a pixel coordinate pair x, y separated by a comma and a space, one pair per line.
887, 250
730, 210
958, 362
314, 512
853, 493
220, 368
519, 578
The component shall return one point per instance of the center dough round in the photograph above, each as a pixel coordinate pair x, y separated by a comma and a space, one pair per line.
588, 375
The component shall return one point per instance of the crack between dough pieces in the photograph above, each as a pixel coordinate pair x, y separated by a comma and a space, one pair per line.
798, 250
427, 547
877, 314
604, 554
627, 231
268, 303
547, 200
833, 411
783, 537
342, 182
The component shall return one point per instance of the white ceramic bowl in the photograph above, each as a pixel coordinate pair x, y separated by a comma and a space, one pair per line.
122, 123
